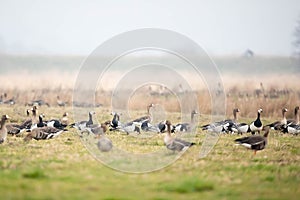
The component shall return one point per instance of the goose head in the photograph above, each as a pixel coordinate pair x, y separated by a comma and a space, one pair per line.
5, 117
260, 110
92, 112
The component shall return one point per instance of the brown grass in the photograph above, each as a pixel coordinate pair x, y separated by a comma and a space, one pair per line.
24, 87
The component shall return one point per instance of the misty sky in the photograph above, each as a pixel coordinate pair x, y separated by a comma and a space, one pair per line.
78, 27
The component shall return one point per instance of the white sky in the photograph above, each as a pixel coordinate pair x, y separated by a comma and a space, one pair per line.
78, 27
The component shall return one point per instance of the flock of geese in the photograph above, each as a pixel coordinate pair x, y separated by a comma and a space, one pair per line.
39, 129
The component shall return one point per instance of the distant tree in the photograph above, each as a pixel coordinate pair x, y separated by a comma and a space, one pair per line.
297, 38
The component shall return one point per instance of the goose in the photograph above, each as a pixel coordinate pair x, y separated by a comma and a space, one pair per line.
9, 101
278, 125
97, 128
16, 129
34, 111
59, 102
147, 127
115, 122
163, 126
3, 130
65, 120
254, 142
43, 133
148, 117
240, 128
175, 144
222, 126
292, 129
131, 127
256, 125
83, 124
59, 124
296, 118
40, 124
184, 127
38, 102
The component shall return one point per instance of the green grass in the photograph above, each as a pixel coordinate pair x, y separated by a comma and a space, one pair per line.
62, 168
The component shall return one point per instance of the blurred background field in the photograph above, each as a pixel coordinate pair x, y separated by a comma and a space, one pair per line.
249, 83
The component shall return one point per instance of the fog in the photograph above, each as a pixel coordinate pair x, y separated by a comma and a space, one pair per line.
78, 27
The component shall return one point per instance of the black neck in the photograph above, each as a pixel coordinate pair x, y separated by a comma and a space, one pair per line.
90, 117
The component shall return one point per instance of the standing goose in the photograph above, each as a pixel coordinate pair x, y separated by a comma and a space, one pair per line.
184, 127
296, 117
145, 121
115, 122
222, 126
83, 124
278, 125
65, 120
43, 133
3, 130
148, 117
257, 124
293, 125
175, 144
254, 142
240, 128
40, 124
34, 111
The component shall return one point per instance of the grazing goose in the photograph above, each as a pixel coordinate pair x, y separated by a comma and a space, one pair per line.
257, 124
254, 142
37, 103
83, 124
175, 144
43, 133
278, 125
147, 127
296, 118
222, 126
184, 127
3, 130
131, 127
292, 129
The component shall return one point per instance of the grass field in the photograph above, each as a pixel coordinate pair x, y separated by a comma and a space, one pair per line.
62, 168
